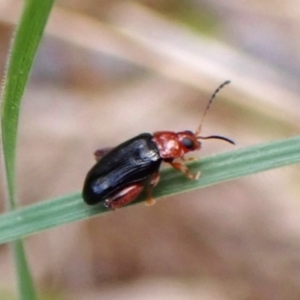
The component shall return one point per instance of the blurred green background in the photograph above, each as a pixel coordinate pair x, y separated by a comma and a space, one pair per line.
108, 70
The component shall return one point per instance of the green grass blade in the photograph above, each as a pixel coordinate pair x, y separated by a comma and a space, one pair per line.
23, 51
215, 169
25, 285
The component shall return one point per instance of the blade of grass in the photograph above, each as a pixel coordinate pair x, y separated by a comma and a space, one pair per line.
23, 51
25, 285
28, 35
215, 169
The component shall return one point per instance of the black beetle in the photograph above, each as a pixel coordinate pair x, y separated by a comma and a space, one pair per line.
121, 173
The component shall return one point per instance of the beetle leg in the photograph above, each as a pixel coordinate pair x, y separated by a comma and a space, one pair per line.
124, 197
190, 158
154, 181
100, 153
184, 169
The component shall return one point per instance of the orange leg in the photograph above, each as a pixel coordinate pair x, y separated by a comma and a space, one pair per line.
188, 158
154, 181
124, 197
184, 169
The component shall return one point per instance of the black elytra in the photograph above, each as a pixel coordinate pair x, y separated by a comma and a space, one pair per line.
134, 161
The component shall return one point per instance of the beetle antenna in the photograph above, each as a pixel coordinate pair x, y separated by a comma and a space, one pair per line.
216, 137
209, 103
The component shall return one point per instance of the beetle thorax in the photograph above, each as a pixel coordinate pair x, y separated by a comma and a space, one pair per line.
167, 144
170, 143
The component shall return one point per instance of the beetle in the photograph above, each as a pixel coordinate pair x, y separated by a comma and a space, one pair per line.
120, 174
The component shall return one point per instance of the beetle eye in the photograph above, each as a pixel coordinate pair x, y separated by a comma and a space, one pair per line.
188, 143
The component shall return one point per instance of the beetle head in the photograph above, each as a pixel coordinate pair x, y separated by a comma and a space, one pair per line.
188, 141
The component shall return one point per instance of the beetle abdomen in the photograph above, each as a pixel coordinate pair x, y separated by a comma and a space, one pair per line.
135, 160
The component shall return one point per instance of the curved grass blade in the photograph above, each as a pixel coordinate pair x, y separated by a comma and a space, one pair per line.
215, 169
23, 51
